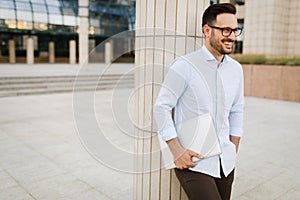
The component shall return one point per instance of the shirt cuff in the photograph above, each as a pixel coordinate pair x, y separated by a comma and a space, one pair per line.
234, 131
168, 134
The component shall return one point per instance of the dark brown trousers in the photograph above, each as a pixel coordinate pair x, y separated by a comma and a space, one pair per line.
200, 186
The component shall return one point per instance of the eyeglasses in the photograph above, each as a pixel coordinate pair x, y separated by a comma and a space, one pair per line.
226, 31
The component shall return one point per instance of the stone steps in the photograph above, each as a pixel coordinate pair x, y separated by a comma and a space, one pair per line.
15, 86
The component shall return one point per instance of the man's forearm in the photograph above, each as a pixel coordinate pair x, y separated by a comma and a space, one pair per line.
175, 147
236, 141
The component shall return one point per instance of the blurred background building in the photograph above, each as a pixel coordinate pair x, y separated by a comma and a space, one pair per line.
271, 27
53, 26
54, 23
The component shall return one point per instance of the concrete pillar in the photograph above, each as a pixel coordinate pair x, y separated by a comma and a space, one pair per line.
12, 51
51, 52
83, 31
177, 31
30, 51
72, 51
108, 52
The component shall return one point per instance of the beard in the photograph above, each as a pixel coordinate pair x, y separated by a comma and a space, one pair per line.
217, 44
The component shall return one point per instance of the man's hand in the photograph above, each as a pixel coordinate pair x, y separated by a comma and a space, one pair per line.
182, 157
185, 159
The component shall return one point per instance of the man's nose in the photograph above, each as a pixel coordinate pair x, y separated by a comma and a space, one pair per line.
232, 36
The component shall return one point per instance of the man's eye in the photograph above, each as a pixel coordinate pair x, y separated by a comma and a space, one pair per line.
226, 30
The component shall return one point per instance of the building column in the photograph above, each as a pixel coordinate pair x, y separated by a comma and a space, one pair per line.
173, 29
12, 51
72, 52
108, 52
263, 35
83, 31
30, 51
51, 52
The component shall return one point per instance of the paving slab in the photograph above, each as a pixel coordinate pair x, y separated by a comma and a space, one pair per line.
44, 156
21, 70
268, 159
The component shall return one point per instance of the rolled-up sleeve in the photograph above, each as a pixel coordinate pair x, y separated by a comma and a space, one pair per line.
172, 88
237, 111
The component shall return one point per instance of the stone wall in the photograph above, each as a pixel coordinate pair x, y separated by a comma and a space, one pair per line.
274, 82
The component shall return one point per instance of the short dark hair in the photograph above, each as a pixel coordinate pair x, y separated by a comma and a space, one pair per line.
210, 14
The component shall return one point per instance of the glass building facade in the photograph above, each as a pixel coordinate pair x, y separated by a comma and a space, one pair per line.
58, 21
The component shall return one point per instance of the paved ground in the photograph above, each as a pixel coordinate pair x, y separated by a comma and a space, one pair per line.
42, 156
17, 70
269, 161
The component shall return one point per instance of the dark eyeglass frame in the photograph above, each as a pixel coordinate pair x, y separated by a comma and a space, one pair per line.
237, 31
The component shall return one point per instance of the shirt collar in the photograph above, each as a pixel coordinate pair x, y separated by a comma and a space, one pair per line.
210, 57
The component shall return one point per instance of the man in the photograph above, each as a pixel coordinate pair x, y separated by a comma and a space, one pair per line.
206, 81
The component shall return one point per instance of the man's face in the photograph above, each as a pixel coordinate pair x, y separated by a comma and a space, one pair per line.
222, 44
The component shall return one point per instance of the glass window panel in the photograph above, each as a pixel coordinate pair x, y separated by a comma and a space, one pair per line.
24, 25
7, 4
11, 23
94, 14
71, 5
69, 28
69, 20
38, 1
23, 0
68, 11
40, 26
2, 24
55, 19
23, 6
91, 30
54, 10
57, 28
24, 15
7, 14
40, 17
53, 2
39, 8
78, 20
97, 31
94, 22
214, 2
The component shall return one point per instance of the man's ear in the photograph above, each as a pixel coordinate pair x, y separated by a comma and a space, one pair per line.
205, 30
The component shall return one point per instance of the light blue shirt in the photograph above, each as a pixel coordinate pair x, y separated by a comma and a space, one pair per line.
197, 84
